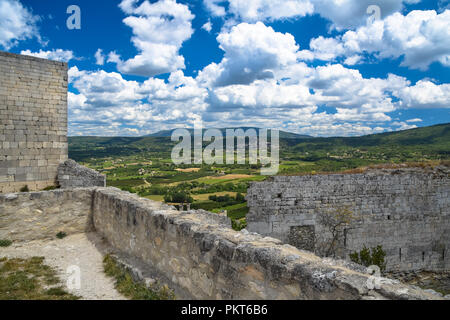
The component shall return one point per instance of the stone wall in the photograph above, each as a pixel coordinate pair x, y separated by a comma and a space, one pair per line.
204, 259
73, 175
33, 121
196, 252
406, 211
41, 215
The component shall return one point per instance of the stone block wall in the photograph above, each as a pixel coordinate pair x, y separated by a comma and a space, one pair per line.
41, 215
203, 258
73, 175
197, 252
33, 121
406, 211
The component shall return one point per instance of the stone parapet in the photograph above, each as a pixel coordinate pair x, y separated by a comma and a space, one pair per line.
73, 175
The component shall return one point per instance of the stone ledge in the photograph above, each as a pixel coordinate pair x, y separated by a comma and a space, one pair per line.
211, 261
31, 58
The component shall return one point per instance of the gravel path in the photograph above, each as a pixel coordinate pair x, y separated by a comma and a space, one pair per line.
84, 251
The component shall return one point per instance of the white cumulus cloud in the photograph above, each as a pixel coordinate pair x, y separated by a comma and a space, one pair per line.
260, 10
159, 30
207, 26
349, 14
108, 104
419, 38
16, 23
343, 14
55, 54
425, 94
252, 51
99, 57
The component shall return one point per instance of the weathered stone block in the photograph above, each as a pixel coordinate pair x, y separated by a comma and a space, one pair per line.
73, 175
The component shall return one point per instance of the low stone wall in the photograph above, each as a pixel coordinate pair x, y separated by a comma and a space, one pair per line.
41, 215
195, 252
203, 257
73, 175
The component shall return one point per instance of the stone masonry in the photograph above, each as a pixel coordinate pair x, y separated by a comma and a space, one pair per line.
405, 211
33, 121
195, 253
73, 175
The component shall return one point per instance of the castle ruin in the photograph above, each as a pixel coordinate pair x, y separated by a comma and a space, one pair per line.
194, 252
406, 211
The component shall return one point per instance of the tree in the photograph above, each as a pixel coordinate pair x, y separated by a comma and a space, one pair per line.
335, 221
181, 197
240, 197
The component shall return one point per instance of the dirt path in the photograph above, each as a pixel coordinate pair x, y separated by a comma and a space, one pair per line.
85, 251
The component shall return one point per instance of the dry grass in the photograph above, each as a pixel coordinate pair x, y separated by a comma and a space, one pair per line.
390, 166
232, 177
188, 170
423, 165
30, 279
204, 197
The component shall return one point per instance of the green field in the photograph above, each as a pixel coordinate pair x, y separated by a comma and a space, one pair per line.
143, 165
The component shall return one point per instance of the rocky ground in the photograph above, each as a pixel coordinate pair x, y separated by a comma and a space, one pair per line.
437, 281
85, 251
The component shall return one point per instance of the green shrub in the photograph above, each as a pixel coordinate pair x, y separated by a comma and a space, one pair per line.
374, 257
178, 197
50, 188
238, 225
240, 197
61, 235
5, 243
24, 189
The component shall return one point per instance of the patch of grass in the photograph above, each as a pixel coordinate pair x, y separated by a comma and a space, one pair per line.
132, 289
57, 292
119, 183
5, 243
50, 188
205, 196
237, 214
155, 198
30, 279
61, 235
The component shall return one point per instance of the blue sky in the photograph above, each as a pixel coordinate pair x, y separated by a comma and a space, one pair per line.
317, 67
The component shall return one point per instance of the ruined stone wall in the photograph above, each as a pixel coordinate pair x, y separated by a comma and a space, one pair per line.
196, 253
203, 258
73, 175
406, 211
33, 121
41, 215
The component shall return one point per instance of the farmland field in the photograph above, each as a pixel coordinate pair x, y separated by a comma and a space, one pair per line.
143, 165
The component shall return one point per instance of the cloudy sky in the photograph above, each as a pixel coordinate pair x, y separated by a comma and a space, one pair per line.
317, 67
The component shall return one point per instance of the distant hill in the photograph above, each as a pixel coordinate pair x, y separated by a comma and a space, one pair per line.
421, 143
283, 134
434, 136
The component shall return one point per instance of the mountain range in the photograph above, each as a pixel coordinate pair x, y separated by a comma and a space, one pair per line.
426, 142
